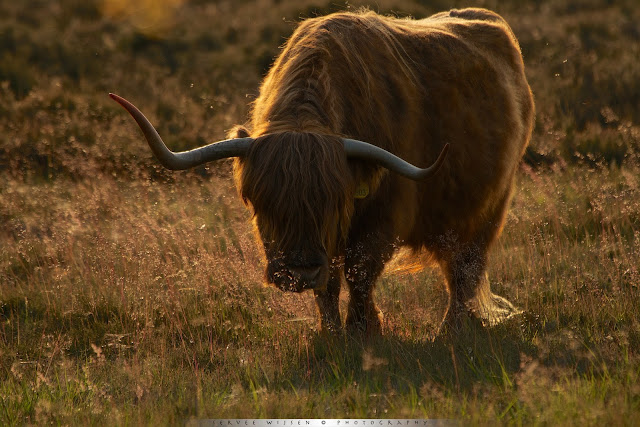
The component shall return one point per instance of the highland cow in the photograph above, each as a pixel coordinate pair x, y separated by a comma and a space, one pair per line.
447, 91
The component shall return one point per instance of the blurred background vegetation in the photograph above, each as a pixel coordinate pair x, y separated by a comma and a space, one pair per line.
194, 66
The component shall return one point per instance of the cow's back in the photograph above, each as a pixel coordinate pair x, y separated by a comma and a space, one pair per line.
476, 99
410, 87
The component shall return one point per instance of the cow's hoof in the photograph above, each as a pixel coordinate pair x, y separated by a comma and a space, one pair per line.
368, 325
457, 320
477, 313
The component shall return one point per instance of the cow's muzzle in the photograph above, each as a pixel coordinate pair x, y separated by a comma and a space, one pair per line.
296, 276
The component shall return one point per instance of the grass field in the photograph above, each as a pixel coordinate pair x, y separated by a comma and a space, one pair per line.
134, 295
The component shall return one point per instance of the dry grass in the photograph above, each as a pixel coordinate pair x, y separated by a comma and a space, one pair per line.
132, 295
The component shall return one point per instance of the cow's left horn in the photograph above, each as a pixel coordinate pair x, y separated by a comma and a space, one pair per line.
185, 159
364, 150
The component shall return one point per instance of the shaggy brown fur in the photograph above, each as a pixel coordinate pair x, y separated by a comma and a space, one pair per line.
410, 87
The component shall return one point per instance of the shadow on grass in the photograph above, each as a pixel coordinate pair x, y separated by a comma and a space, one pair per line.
473, 356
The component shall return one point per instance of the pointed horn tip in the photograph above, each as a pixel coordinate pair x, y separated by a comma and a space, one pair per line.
443, 154
132, 109
120, 100
442, 157
433, 169
445, 150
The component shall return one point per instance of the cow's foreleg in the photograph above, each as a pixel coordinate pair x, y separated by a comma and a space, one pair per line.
363, 314
328, 303
363, 266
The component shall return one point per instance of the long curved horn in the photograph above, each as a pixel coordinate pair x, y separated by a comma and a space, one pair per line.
364, 150
185, 159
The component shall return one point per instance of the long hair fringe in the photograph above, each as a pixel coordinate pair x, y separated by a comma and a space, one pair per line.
299, 185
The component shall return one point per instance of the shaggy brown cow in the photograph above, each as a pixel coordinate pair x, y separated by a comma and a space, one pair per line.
327, 206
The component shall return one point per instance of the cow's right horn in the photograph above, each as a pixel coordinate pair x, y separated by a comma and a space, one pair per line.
364, 150
185, 159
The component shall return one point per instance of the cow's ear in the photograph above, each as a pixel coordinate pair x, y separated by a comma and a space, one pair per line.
238, 131
366, 178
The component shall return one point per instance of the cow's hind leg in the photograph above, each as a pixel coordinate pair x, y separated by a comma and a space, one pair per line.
470, 293
464, 266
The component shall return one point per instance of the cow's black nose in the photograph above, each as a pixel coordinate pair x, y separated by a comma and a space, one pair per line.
307, 275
